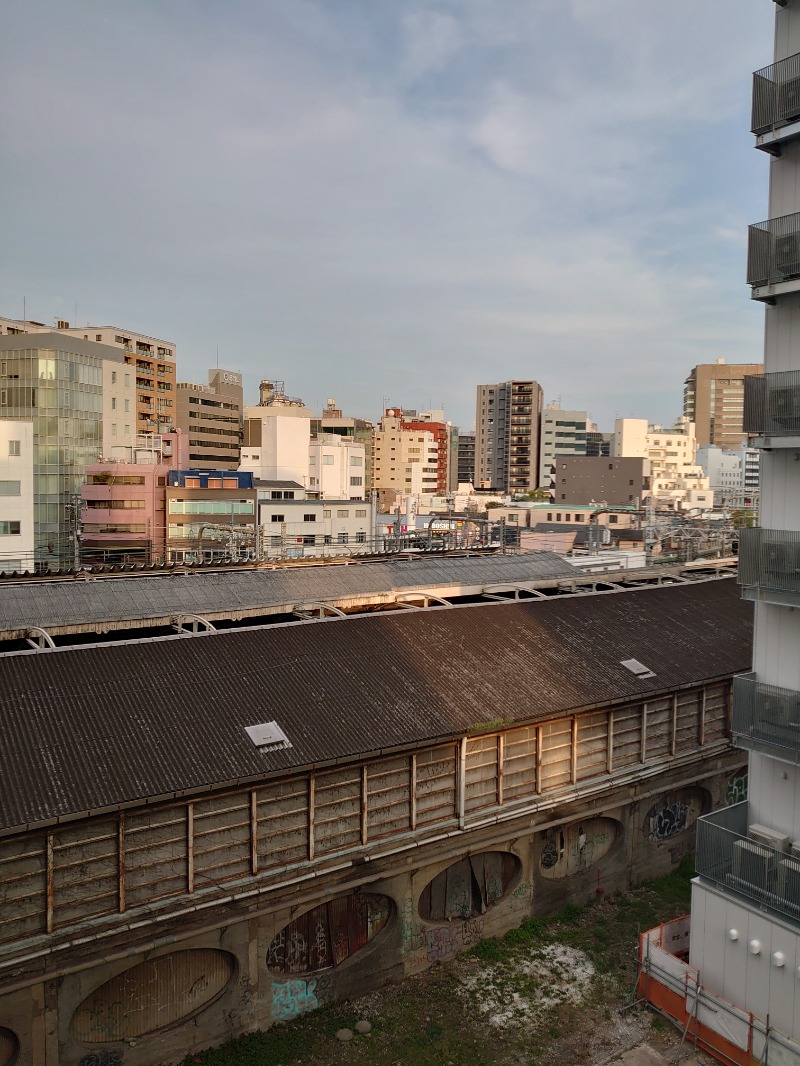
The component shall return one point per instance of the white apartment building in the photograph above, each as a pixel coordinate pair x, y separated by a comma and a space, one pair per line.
337, 467
722, 468
16, 495
277, 436
677, 482
563, 433
119, 407
742, 982
292, 526
405, 460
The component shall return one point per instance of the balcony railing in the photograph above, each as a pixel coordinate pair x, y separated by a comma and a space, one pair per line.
769, 564
772, 404
745, 865
773, 251
776, 95
766, 717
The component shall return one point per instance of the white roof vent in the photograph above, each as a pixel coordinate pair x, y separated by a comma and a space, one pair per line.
635, 667
268, 736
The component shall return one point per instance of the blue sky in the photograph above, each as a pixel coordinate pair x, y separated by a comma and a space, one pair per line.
392, 200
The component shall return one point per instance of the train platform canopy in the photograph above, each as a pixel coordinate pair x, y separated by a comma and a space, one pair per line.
83, 604
98, 727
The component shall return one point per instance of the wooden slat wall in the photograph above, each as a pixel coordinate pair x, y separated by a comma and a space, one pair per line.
436, 784
592, 756
519, 763
687, 732
179, 848
556, 754
221, 832
337, 810
388, 797
481, 783
85, 871
23, 887
659, 728
627, 737
282, 823
716, 713
156, 854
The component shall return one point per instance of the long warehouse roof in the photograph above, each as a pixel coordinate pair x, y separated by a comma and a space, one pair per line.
94, 727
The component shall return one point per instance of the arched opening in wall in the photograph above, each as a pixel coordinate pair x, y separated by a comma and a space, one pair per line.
574, 848
153, 995
9, 1047
675, 812
328, 934
469, 887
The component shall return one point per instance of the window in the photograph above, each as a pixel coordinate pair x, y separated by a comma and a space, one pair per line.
356, 481
327, 460
361, 513
342, 514
613, 519
127, 380
343, 538
15, 447
361, 538
9, 529
327, 539
309, 518
114, 429
278, 518
127, 407
309, 539
113, 377
215, 482
276, 495
326, 514
98, 336
356, 460
113, 403
10, 488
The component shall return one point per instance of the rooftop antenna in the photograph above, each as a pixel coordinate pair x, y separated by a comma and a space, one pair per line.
217, 357
24, 311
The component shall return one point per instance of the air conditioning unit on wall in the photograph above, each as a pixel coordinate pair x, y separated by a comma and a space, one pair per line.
787, 255
789, 100
762, 834
753, 865
784, 407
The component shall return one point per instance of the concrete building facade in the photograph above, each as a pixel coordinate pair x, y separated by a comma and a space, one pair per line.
337, 467
277, 435
507, 432
17, 540
333, 421
677, 482
211, 515
406, 460
713, 399
563, 433
211, 418
617, 482
294, 526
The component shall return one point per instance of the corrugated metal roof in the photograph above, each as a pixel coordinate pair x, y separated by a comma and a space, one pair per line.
134, 599
93, 727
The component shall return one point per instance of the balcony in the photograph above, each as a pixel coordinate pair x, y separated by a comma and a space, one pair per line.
776, 104
769, 565
773, 257
733, 854
766, 718
772, 409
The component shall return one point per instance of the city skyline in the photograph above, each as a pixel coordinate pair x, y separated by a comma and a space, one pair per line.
392, 206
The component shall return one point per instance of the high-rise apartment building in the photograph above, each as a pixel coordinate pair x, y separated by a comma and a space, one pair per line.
211, 417
713, 398
406, 459
277, 434
507, 431
57, 381
466, 459
152, 362
562, 433
742, 983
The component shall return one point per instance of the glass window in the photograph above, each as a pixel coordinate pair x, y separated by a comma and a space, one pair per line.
9, 529
10, 488
342, 514
278, 518
327, 460
15, 447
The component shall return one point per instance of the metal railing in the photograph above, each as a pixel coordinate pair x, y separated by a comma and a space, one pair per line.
776, 95
769, 559
726, 856
772, 404
773, 250
765, 715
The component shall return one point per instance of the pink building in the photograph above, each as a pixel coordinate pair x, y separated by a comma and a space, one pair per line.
123, 502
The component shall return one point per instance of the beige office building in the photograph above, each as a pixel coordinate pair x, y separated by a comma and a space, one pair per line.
211, 416
713, 398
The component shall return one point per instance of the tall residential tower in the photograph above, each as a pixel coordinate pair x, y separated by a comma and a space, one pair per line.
508, 420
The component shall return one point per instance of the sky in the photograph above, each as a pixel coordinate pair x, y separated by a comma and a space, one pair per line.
391, 201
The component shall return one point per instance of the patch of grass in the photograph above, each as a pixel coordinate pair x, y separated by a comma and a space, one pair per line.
489, 950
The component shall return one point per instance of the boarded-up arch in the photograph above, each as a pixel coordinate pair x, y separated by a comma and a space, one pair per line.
468, 887
328, 934
9, 1047
574, 848
153, 995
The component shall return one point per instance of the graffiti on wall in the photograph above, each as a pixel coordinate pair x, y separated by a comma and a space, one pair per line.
102, 1058
328, 934
571, 849
292, 998
737, 788
152, 995
468, 887
446, 941
674, 813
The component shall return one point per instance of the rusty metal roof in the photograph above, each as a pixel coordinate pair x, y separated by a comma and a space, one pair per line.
94, 727
58, 605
